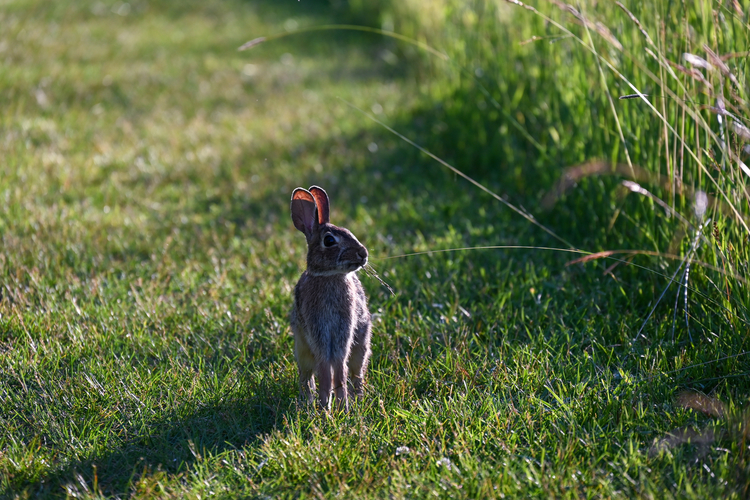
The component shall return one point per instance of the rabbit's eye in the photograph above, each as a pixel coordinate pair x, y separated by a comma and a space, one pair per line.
329, 240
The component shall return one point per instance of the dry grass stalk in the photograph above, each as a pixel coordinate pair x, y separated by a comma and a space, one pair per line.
596, 26
707, 405
735, 428
637, 23
572, 175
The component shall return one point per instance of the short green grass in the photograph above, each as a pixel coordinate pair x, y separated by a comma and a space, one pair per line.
148, 259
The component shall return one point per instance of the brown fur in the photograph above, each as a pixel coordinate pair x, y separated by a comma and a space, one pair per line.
329, 319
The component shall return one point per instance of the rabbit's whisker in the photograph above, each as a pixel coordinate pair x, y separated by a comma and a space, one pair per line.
370, 271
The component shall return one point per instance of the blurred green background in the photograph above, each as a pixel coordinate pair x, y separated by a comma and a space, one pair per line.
148, 256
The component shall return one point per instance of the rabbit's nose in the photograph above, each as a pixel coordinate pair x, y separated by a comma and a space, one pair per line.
362, 253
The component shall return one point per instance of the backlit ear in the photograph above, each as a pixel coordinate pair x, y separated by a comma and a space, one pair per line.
304, 212
321, 200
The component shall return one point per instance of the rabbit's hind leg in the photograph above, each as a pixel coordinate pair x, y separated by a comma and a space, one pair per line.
306, 383
358, 367
358, 359
323, 372
339, 384
306, 367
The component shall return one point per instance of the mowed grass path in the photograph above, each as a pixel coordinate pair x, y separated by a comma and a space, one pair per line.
148, 259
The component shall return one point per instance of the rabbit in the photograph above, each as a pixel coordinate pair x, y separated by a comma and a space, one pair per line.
330, 319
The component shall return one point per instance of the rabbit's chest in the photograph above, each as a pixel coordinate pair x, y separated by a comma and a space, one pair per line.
334, 299
328, 307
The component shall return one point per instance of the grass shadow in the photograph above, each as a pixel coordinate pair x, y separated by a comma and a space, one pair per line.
172, 446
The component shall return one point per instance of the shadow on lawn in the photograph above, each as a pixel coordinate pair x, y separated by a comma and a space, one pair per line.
397, 174
170, 447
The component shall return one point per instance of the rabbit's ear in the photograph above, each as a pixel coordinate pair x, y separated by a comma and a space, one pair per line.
321, 200
304, 211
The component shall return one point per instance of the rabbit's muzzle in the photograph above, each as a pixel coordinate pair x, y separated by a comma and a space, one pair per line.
353, 258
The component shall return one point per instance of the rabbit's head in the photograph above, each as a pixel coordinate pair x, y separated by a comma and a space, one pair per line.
330, 249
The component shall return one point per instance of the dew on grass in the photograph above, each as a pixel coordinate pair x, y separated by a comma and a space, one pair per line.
287, 59
291, 24
389, 57
701, 202
121, 8
41, 98
741, 130
250, 70
99, 9
372, 147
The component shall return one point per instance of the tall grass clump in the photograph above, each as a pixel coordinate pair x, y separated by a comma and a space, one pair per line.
627, 123
625, 127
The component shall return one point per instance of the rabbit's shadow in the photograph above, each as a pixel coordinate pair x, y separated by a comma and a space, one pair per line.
172, 446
